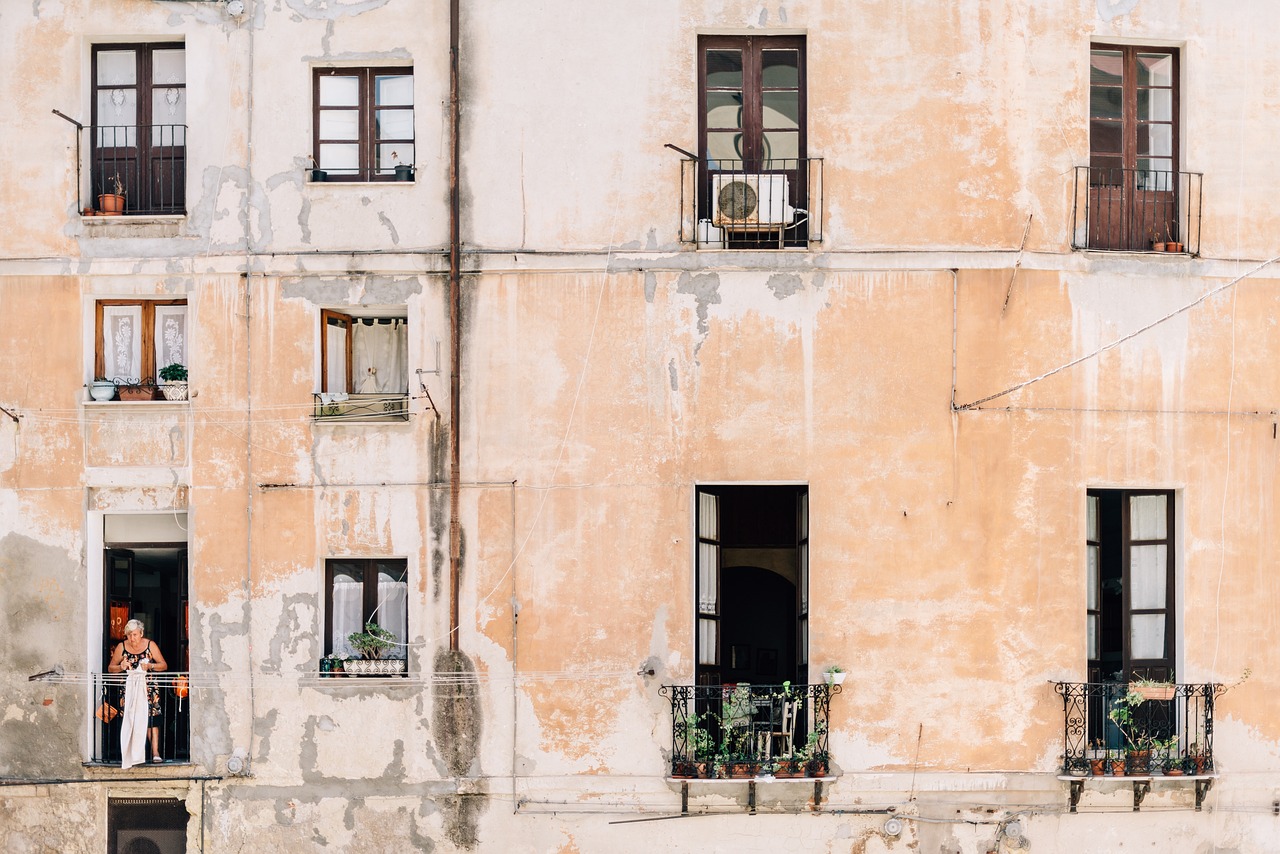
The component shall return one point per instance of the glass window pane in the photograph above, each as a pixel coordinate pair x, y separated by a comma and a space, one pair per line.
781, 145
1093, 636
781, 68
1093, 577
1104, 102
1106, 66
1093, 518
122, 342
803, 558
169, 107
724, 109
347, 607
1105, 137
168, 66
1146, 636
392, 605
1155, 69
1156, 140
117, 108
724, 146
1155, 105
392, 154
708, 580
339, 124
339, 91
724, 69
1155, 173
708, 521
1148, 576
1147, 517
117, 68
781, 109
170, 335
707, 641
394, 91
394, 124
340, 158
335, 369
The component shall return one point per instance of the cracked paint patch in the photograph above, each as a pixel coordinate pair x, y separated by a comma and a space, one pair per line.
705, 289
784, 285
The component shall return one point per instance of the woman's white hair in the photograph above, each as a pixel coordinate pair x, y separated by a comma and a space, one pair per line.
133, 626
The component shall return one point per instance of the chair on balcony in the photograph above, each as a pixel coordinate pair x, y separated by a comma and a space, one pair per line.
780, 729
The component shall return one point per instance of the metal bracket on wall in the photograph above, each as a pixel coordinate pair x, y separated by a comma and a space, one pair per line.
751, 797
1077, 790
1202, 789
1140, 790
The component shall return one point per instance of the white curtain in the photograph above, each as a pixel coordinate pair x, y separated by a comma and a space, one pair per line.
348, 611
379, 355
335, 372
122, 342
171, 335
393, 606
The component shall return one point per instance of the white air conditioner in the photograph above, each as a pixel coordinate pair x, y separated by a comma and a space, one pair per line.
742, 201
151, 841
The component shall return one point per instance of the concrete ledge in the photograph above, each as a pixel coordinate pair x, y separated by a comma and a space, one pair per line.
133, 226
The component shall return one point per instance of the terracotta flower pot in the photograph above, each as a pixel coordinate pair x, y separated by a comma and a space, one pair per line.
111, 203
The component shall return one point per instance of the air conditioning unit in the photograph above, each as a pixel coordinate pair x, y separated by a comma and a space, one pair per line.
151, 841
750, 201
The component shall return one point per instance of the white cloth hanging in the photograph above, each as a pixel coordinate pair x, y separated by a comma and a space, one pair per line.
348, 610
379, 353
393, 597
133, 721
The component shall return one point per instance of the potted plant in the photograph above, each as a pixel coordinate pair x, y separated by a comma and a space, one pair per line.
102, 389
175, 381
404, 171
134, 391
1151, 689
815, 753
112, 204
834, 675
372, 643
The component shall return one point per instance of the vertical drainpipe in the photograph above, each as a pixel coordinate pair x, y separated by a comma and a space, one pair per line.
455, 345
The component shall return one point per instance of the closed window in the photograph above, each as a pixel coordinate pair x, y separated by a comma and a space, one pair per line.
139, 133
136, 338
364, 123
366, 590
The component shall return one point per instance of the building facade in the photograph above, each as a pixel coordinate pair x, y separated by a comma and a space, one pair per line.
731, 342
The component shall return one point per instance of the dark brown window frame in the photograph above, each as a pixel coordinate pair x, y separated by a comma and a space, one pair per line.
147, 334
370, 593
752, 90
367, 139
145, 152
1129, 103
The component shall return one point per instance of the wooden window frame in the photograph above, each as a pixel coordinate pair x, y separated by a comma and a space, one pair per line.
147, 334
753, 87
367, 139
1129, 102
330, 316
370, 593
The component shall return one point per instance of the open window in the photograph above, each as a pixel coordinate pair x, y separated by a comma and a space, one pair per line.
366, 590
133, 340
363, 366
139, 130
753, 580
146, 826
1130, 612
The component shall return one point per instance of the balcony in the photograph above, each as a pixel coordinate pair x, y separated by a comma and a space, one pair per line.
749, 731
339, 406
761, 204
1137, 732
1136, 210
175, 715
137, 170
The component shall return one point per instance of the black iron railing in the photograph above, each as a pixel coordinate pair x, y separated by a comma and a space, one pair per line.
384, 407
175, 716
146, 165
1136, 210
1137, 729
762, 204
749, 730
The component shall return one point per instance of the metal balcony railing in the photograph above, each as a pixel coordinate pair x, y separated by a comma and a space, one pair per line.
1122, 729
338, 407
744, 204
146, 164
175, 715
1136, 210
746, 731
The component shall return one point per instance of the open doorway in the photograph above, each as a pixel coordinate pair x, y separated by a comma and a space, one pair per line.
145, 577
753, 582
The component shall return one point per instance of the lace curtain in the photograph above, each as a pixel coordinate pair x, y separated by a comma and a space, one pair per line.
379, 355
171, 335
122, 342
348, 610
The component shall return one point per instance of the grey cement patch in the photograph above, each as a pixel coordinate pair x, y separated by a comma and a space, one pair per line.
675, 378
262, 729
316, 290
387, 290
784, 285
650, 287
705, 289
391, 228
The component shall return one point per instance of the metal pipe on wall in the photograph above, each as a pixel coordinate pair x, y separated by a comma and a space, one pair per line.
455, 307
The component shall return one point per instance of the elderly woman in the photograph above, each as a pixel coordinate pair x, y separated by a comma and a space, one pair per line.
136, 652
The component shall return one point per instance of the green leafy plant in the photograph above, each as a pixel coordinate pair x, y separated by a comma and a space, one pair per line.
372, 642
175, 373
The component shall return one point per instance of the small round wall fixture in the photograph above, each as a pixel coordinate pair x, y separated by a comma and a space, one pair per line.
235, 8
893, 826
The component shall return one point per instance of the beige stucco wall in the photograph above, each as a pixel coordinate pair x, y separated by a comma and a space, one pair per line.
607, 370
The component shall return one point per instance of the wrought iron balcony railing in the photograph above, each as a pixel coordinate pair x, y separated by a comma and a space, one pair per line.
748, 731
1120, 729
175, 715
144, 164
744, 204
1136, 210
338, 407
